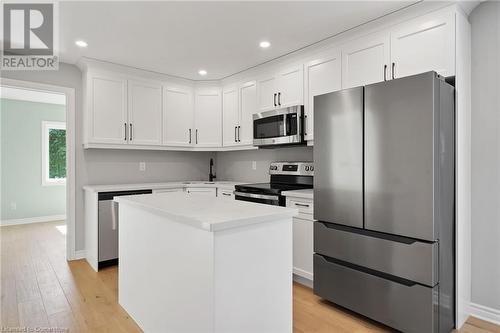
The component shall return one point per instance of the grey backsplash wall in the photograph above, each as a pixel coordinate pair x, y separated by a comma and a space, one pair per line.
237, 165
103, 166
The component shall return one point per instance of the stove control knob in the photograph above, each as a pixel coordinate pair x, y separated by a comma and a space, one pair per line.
307, 167
312, 168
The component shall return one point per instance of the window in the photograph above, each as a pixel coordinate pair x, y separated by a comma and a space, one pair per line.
53, 153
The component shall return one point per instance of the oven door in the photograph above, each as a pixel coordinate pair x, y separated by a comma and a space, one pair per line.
267, 199
275, 127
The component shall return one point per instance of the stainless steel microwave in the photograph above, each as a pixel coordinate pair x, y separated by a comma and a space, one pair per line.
279, 127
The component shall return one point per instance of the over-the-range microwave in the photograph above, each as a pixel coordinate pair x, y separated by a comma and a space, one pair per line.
279, 127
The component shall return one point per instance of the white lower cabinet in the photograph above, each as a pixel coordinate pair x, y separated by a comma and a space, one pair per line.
303, 248
225, 194
206, 191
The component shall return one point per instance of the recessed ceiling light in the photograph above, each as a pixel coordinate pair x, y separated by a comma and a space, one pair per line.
202, 72
264, 44
81, 43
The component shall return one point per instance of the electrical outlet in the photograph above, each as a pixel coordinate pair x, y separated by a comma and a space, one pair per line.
13, 205
142, 166
254, 165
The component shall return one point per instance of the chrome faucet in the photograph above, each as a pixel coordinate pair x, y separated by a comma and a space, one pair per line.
211, 175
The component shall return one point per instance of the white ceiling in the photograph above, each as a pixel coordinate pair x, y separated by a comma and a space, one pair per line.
32, 95
179, 38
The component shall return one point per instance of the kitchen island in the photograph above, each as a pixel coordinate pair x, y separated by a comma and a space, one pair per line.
199, 264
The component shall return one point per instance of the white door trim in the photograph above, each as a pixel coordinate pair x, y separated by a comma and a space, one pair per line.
70, 154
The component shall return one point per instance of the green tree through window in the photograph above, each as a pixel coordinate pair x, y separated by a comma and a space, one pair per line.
57, 153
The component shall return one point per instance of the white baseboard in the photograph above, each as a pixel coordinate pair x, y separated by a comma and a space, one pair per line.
37, 219
79, 255
485, 313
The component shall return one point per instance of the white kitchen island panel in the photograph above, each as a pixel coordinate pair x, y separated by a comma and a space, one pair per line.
180, 274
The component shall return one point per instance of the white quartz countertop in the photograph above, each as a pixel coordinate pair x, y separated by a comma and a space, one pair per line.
306, 194
207, 213
156, 186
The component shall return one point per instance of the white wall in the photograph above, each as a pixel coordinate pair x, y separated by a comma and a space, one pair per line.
114, 166
485, 20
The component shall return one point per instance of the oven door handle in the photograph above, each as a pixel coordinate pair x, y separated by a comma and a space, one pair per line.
257, 196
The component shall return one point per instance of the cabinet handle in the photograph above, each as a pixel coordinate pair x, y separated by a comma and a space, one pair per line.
385, 72
130, 131
393, 70
239, 128
279, 99
226, 194
189, 136
235, 135
301, 205
196, 136
125, 125
275, 99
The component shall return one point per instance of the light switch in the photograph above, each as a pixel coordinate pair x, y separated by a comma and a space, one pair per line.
142, 166
254, 165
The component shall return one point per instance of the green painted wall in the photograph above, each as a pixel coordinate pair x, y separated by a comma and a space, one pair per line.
21, 161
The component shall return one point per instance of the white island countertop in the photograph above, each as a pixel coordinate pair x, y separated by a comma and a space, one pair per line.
163, 185
207, 213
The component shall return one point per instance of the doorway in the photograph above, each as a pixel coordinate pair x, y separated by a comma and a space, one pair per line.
37, 156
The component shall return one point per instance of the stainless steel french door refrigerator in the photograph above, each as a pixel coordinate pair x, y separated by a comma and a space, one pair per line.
384, 202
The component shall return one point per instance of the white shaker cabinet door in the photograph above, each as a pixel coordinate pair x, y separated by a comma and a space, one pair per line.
107, 109
291, 87
322, 75
303, 248
145, 113
248, 106
208, 118
178, 116
266, 93
230, 116
365, 60
424, 44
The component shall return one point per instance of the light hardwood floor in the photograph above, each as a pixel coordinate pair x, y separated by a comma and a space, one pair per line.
39, 288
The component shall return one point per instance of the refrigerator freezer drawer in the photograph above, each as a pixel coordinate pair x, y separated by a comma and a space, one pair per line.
398, 256
408, 308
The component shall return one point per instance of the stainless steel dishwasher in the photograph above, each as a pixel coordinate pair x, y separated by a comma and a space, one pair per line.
108, 226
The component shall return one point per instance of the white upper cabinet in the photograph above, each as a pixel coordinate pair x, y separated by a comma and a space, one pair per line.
208, 118
424, 44
248, 106
365, 60
178, 116
291, 86
107, 121
144, 112
231, 115
267, 94
239, 105
282, 89
322, 75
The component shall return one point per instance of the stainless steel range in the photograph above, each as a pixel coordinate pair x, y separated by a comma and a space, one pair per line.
285, 176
